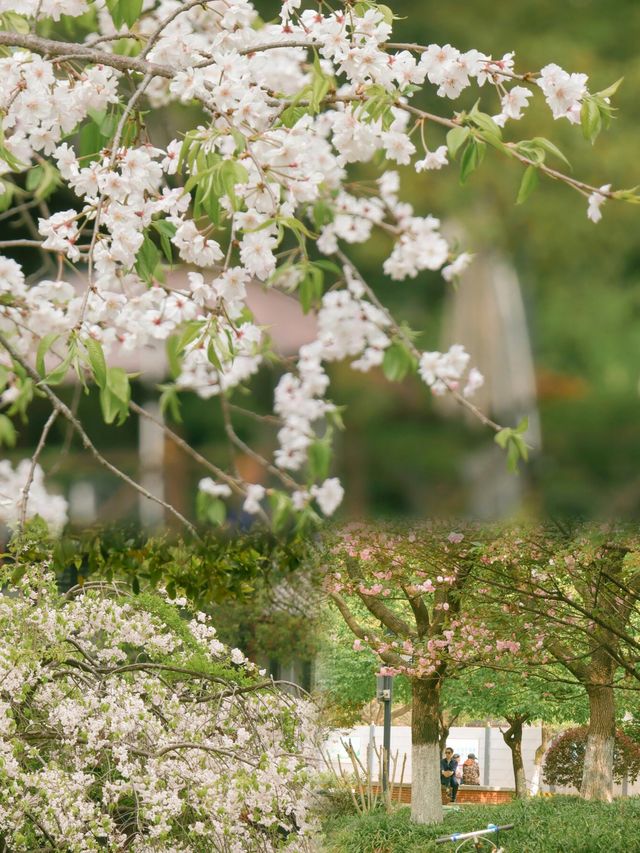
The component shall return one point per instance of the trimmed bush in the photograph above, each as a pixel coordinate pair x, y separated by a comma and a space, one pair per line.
557, 824
564, 760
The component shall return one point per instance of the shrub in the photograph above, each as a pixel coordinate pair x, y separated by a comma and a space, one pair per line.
125, 725
564, 760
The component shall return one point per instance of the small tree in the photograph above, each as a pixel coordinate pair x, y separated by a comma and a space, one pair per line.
579, 589
564, 764
517, 698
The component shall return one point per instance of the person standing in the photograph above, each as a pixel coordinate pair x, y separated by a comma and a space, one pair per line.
471, 771
448, 767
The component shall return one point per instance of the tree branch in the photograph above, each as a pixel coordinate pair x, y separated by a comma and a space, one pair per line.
66, 413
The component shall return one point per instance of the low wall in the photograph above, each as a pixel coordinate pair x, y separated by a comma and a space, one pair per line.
479, 794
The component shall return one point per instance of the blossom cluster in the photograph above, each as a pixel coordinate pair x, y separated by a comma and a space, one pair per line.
253, 192
396, 574
125, 724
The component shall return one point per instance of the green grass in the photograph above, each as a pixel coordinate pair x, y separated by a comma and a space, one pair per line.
542, 825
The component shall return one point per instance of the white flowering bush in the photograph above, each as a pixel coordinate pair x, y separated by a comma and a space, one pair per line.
264, 185
126, 725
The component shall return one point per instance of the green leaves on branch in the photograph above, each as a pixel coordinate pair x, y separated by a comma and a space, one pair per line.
115, 396
124, 11
211, 177
11, 160
309, 99
512, 440
535, 150
365, 6
597, 112
113, 382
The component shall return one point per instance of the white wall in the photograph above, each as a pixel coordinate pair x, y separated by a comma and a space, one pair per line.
462, 739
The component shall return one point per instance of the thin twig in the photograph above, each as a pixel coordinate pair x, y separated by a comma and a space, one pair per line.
66, 413
24, 496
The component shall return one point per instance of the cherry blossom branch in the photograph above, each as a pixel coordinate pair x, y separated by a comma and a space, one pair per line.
235, 484
51, 47
457, 396
24, 497
66, 413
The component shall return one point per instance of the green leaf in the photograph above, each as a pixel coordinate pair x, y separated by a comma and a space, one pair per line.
58, 373
610, 91
590, 119
211, 509
320, 85
528, 184
512, 441
147, 259
166, 230
322, 214
292, 115
485, 123
43, 348
456, 138
472, 156
124, 11
115, 396
547, 145
14, 23
310, 288
174, 356
97, 361
6, 196
8, 433
170, 402
397, 362
280, 510
319, 458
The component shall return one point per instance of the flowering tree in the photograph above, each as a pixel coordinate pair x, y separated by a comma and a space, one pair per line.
417, 589
261, 186
580, 592
125, 726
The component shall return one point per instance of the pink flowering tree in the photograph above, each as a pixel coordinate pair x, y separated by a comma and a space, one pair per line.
417, 589
578, 591
263, 184
126, 726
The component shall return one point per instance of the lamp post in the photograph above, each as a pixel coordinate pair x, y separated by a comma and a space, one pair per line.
384, 693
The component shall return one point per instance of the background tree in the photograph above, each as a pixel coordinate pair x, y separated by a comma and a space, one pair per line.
517, 697
579, 589
416, 586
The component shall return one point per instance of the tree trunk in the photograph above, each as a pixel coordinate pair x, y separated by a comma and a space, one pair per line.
513, 739
597, 776
426, 798
545, 736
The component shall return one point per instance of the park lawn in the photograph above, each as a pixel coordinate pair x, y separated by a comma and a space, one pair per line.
557, 824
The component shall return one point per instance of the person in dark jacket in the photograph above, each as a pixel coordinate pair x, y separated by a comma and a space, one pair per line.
448, 767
